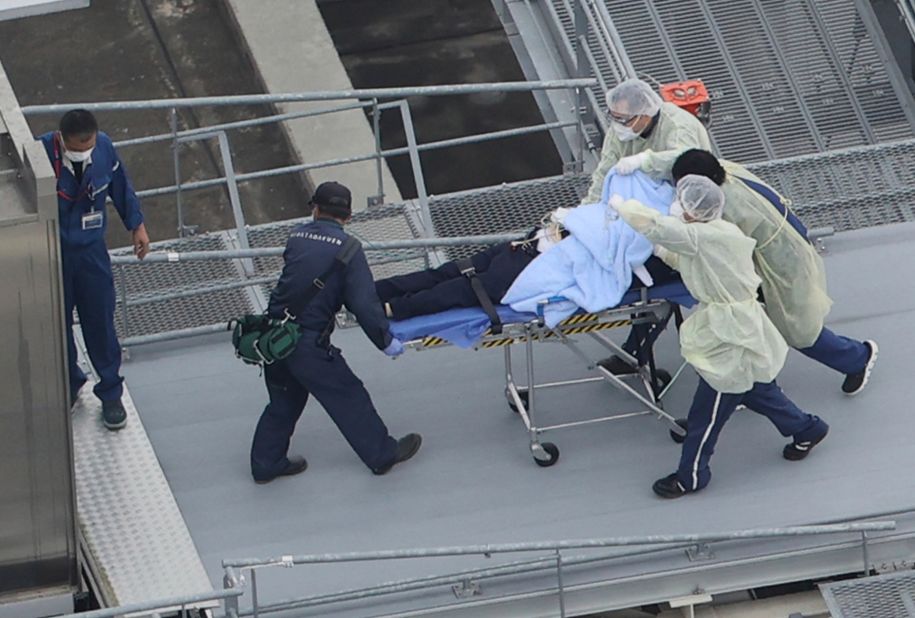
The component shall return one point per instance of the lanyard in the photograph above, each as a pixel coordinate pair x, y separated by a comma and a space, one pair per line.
57, 165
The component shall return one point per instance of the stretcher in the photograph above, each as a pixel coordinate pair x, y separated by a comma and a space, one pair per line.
648, 311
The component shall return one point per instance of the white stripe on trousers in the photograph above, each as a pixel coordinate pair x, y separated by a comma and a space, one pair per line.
704, 439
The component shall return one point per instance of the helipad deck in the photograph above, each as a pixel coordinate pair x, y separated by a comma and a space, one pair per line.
474, 481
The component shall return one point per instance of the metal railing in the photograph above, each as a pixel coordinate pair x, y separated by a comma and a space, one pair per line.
323, 95
230, 179
790, 175
120, 262
366, 98
907, 13
467, 581
178, 603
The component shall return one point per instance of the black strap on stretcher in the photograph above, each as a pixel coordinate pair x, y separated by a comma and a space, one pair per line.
466, 267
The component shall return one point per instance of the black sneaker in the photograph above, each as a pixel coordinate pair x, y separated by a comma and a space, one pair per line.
617, 366
296, 465
406, 448
114, 416
669, 487
797, 451
855, 382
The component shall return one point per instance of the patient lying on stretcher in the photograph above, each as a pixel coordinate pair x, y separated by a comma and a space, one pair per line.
496, 268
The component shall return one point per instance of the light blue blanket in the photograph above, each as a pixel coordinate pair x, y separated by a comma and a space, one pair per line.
591, 268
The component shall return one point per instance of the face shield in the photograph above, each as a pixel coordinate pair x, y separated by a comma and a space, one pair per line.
631, 98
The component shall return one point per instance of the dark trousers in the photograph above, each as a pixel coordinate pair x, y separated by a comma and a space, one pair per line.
712, 409
322, 372
438, 289
661, 273
837, 352
89, 287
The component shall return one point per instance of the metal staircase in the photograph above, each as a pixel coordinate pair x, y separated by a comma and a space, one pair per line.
786, 77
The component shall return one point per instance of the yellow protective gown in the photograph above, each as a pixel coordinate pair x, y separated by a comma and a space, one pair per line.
677, 130
793, 274
728, 339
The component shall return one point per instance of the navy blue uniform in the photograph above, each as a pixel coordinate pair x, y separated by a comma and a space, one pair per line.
88, 283
315, 366
712, 409
438, 289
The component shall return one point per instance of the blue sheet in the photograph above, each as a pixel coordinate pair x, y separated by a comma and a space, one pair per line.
591, 268
464, 327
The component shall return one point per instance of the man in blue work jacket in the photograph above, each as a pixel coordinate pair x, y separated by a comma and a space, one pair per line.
88, 171
315, 366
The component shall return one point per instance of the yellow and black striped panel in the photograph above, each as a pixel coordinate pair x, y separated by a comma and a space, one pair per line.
575, 325
580, 319
573, 329
498, 343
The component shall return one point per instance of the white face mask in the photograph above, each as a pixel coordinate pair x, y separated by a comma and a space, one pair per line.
79, 157
625, 134
676, 210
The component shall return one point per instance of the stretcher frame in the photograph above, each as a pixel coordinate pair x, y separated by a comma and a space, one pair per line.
649, 316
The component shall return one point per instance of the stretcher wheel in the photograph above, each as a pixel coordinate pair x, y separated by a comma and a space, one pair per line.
552, 451
511, 401
678, 438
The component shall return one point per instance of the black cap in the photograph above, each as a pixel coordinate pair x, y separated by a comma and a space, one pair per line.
332, 194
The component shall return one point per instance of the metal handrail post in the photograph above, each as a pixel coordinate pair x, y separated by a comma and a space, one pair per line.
173, 122
418, 179
616, 43
605, 43
376, 127
562, 597
908, 15
235, 200
254, 606
229, 582
867, 568
581, 39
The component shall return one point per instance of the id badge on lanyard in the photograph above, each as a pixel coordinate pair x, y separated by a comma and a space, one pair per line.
93, 220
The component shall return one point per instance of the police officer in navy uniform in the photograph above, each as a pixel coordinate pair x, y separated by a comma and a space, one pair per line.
315, 366
88, 171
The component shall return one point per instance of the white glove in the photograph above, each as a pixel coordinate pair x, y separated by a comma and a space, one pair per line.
661, 252
616, 200
559, 215
628, 165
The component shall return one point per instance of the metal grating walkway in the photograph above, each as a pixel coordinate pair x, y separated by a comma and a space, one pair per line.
148, 281
886, 596
849, 189
786, 78
507, 208
379, 224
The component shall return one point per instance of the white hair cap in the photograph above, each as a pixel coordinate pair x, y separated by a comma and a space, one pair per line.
634, 97
700, 197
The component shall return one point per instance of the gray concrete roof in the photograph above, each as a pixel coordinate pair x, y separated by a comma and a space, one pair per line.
474, 480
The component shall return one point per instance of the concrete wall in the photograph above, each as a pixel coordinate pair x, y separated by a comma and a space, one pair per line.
293, 51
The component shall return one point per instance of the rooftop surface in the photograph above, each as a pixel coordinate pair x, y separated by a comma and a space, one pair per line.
474, 480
